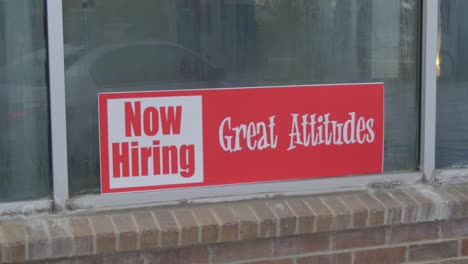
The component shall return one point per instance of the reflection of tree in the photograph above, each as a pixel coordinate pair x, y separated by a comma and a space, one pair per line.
317, 33
345, 39
280, 38
364, 39
408, 39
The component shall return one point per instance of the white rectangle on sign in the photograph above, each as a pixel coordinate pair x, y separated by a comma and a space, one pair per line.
155, 141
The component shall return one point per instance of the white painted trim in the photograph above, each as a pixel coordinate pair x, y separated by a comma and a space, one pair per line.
25, 207
239, 192
57, 103
428, 88
451, 175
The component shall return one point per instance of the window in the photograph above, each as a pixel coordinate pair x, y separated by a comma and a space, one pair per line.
166, 44
24, 130
452, 85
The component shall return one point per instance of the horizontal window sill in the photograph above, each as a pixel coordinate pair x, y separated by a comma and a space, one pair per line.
236, 192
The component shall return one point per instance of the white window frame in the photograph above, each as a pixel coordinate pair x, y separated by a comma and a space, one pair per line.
430, 14
62, 201
58, 119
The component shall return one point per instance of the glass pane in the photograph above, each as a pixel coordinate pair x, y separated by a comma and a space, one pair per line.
452, 85
24, 130
117, 45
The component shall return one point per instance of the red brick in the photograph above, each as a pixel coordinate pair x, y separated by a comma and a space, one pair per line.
324, 216
189, 226
305, 216
230, 252
410, 208
83, 236
190, 255
464, 247
358, 210
376, 210
433, 251
338, 258
61, 236
209, 226
38, 239
412, 233
94, 259
276, 261
452, 261
266, 217
15, 237
300, 244
228, 222
426, 206
454, 228
382, 256
286, 217
105, 233
126, 231
147, 230
126, 258
341, 214
456, 204
168, 228
249, 224
359, 238
392, 207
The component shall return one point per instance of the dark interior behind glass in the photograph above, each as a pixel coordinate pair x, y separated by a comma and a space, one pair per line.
120, 45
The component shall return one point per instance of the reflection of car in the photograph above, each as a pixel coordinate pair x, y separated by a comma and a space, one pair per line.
23, 95
24, 123
137, 66
23, 85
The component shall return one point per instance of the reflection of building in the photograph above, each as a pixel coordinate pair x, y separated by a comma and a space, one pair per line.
453, 39
23, 100
218, 30
331, 38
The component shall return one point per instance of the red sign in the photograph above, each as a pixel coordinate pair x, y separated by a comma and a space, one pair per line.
178, 139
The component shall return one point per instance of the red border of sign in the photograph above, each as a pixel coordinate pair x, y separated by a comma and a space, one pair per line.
103, 134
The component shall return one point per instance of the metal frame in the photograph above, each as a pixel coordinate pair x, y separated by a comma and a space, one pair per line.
61, 199
428, 88
58, 117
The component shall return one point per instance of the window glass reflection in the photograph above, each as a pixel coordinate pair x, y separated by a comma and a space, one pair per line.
117, 45
24, 123
452, 85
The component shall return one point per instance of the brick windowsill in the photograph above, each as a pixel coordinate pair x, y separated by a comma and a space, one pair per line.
347, 216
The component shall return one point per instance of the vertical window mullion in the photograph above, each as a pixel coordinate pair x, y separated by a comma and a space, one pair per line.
57, 103
428, 87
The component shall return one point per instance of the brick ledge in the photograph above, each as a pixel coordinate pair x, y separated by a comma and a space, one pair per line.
53, 237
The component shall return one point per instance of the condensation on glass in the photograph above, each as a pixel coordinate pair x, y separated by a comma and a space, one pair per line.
24, 124
120, 45
452, 85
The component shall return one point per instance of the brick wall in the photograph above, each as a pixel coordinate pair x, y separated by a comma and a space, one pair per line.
418, 224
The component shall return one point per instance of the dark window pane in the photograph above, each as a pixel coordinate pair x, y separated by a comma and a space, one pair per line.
24, 130
117, 45
452, 85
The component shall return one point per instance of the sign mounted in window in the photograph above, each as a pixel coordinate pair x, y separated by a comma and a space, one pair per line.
194, 138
